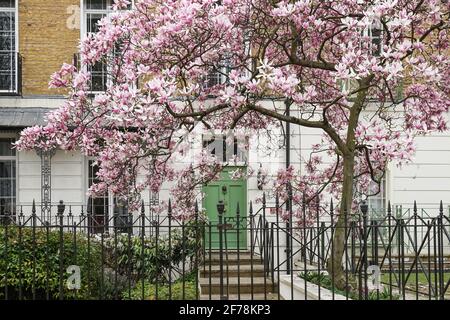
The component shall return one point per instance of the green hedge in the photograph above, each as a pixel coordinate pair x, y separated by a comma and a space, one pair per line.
163, 291
30, 263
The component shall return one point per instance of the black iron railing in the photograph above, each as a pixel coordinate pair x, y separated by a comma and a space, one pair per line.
276, 252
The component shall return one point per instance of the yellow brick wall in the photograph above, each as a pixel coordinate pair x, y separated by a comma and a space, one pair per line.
45, 42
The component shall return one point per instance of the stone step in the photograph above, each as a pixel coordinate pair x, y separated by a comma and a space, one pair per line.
245, 296
232, 258
244, 270
245, 285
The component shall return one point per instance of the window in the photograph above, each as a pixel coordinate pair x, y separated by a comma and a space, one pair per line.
153, 198
7, 177
374, 36
226, 150
94, 11
375, 41
219, 74
100, 206
8, 38
377, 202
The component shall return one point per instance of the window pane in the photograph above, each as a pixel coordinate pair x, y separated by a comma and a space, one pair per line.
99, 77
7, 186
7, 21
377, 201
97, 4
6, 42
215, 146
213, 79
7, 169
7, 52
240, 150
7, 3
376, 41
92, 20
226, 149
7, 62
6, 148
7, 206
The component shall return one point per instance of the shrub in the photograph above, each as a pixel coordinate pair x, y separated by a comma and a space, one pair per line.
30, 262
152, 258
163, 291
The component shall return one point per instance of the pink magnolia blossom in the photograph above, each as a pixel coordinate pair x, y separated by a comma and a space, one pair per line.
301, 52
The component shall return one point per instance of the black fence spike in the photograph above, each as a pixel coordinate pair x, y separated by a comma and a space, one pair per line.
33, 207
415, 207
196, 206
363, 249
169, 208
142, 207
250, 210
264, 199
277, 200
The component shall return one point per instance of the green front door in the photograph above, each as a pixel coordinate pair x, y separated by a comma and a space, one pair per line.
231, 192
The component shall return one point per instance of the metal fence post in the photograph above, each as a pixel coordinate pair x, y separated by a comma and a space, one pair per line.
197, 269
61, 208
441, 251
364, 208
238, 221
142, 269
220, 210
264, 251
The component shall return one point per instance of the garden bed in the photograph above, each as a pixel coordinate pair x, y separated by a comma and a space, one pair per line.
305, 290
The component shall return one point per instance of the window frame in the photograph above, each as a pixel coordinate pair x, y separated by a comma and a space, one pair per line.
83, 32
381, 197
224, 150
15, 177
15, 9
368, 32
94, 223
112, 217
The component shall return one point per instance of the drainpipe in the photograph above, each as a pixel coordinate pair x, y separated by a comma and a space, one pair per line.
288, 203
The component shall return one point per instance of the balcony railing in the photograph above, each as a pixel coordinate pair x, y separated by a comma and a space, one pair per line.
10, 73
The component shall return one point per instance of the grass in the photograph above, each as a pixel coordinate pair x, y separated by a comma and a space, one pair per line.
325, 281
423, 281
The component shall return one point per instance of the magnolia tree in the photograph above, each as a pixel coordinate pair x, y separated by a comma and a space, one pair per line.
328, 61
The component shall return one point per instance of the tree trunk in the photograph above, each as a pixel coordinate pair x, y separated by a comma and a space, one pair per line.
334, 263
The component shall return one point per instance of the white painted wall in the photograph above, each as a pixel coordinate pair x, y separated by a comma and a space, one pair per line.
426, 179
68, 178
